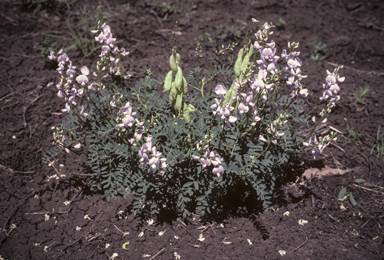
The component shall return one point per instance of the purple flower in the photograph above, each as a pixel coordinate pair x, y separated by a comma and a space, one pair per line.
92, 88
82, 112
63, 58
123, 52
220, 90
242, 108
128, 121
71, 70
66, 109
83, 79
51, 55
262, 138
205, 162
104, 50
218, 171
60, 94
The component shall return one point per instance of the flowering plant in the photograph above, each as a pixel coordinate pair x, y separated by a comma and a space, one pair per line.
181, 151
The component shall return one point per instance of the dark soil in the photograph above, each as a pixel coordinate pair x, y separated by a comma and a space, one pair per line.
44, 216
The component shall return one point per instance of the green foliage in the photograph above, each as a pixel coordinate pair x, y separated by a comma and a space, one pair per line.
343, 196
319, 51
224, 34
186, 130
379, 143
179, 6
358, 97
373, 23
84, 39
280, 23
204, 38
45, 47
353, 135
38, 5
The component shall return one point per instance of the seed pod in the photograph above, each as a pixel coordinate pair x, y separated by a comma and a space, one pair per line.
179, 78
172, 63
179, 101
173, 93
178, 59
191, 108
250, 51
185, 86
186, 115
239, 62
228, 95
168, 81
244, 63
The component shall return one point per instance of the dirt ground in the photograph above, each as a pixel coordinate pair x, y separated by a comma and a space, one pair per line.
50, 213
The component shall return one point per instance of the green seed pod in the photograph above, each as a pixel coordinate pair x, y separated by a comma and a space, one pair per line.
173, 93
245, 62
178, 59
168, 81
179, 101
250, 51
179, 78
185, 86
228, 95
172, 63
239, 62
191, 108
186, 115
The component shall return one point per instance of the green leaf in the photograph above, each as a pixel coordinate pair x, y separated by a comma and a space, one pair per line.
352, 199
188, 184
342, 194
168, 82
196, 184
359, 180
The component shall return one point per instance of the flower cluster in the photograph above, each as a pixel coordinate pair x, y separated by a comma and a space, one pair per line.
105, 37
294, 76
331, 89
278, 123
211, 158
67, 88
149, 155
127, 116
109, 52
221, 109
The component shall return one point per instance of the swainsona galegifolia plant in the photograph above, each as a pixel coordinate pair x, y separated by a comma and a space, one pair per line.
182, 151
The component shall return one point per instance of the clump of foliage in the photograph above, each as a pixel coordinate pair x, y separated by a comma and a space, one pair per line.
358, 97
180, 149
319, 51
